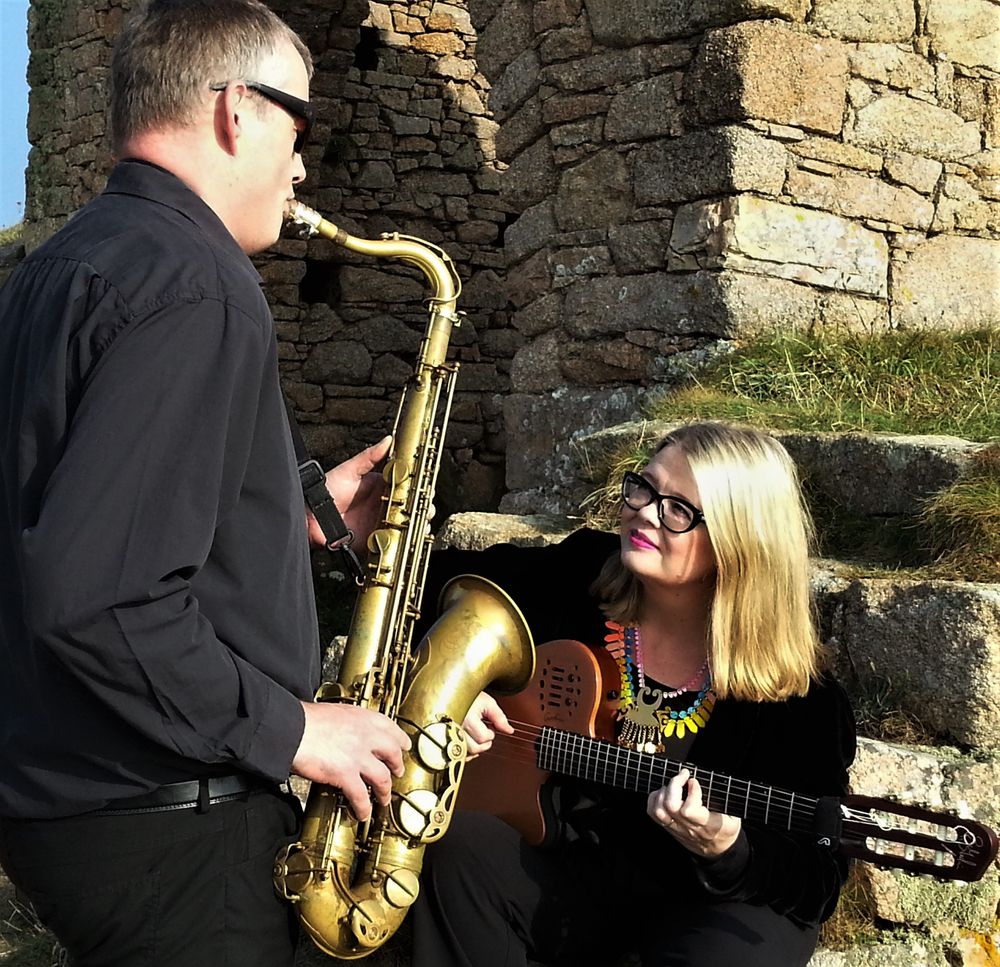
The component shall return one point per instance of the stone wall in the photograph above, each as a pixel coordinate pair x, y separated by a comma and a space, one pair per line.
644, 179
67, 74
403, 144
406, 146
689, 172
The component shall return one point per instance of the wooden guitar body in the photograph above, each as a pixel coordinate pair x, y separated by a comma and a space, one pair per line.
570, 692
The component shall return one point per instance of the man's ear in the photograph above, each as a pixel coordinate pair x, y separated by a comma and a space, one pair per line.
229, 110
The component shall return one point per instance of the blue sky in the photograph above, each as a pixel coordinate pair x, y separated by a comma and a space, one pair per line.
13, 108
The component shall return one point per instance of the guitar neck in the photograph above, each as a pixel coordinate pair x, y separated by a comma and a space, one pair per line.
570, 687
611, 765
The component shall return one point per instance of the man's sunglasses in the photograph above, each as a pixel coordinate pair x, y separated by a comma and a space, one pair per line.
300, 110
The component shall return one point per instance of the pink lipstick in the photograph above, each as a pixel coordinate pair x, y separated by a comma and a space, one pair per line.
639, 542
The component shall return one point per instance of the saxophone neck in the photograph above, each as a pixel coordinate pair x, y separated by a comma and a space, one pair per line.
433, 261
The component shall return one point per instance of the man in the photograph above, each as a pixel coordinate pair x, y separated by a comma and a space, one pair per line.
157, 627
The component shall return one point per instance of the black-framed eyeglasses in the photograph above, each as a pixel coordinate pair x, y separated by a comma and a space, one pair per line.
300, 110
676, 514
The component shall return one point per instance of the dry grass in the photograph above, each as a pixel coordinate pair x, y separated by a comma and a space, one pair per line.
24, 942
601, 507
853, 922
12, 233
963, 522
879, 714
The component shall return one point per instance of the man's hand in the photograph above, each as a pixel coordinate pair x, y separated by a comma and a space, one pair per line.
688, 820
484, 720
357, 491
351, 748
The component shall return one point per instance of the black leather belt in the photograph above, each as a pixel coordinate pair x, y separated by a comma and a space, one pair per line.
194, 794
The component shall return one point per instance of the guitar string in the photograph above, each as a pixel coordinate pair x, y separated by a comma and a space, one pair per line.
765, 799
529, 749
600, 759
755, 804
757, 795
523, 751
563, 739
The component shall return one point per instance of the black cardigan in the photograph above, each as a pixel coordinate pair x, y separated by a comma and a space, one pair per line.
803, 744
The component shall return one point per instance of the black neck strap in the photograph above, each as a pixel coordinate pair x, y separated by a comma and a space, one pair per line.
337, 534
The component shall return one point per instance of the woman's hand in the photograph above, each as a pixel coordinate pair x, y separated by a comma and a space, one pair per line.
688, 820
481, 725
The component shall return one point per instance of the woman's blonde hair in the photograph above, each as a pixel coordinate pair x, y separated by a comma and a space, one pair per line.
762, 635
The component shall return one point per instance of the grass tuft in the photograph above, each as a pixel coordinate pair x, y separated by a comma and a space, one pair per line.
24, 942
879, 707
602, 505
12, 233
963, 522
853, 921
896, 382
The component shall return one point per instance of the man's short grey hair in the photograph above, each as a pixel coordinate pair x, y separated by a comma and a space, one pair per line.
171, 51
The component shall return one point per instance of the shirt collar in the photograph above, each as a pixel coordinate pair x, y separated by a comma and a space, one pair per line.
143, 179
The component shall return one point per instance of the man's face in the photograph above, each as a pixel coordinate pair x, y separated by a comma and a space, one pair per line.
270, 166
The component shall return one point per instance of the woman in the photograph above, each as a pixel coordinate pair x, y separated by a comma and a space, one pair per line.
703, 599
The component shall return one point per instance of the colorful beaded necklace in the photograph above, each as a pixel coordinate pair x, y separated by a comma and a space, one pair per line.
645, 715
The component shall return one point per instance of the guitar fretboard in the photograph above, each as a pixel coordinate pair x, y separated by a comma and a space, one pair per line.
610, 764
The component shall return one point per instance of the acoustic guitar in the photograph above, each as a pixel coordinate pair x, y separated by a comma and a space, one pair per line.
564, 722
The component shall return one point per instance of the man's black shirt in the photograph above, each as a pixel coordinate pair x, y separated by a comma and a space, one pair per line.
156, 610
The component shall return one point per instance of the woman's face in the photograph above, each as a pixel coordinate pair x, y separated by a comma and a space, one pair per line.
657, 557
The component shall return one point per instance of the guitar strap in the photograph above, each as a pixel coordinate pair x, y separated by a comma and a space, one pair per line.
338, 535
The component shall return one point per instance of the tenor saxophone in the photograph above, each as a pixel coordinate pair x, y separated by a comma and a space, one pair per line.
353, 883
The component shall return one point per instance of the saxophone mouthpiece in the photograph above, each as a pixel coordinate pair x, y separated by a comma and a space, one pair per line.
295, 211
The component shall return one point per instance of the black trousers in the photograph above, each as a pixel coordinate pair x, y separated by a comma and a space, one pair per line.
161, 889
490, 900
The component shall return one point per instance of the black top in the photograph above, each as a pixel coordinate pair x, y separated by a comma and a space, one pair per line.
804, 745
156, 612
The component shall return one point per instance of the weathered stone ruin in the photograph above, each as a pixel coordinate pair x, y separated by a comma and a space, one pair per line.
623, 184
620, 184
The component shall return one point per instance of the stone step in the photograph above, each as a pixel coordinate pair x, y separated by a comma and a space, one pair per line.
907, 951
477, 530
941, 780
931, 646
873, 474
